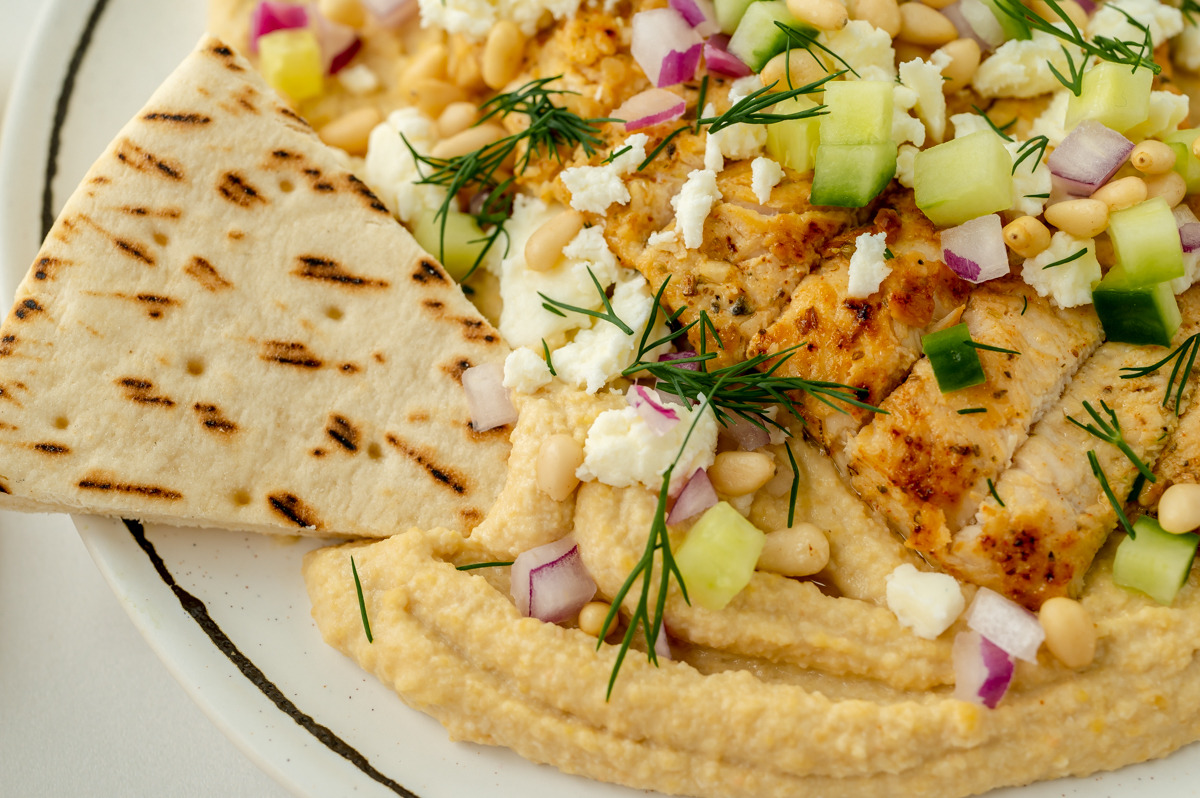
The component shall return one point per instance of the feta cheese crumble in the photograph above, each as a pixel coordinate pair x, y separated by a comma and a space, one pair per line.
621, 450
1052, 123
1167, 110
1069, 284
474, 18
1186, 48
525, 371
927, 603
924, 78
867, 265
391, 171
358, 79
904, 126
906, 165
867, 49
765, 174
662, 238
1163, 21
1021, 68
693, 203
594, 188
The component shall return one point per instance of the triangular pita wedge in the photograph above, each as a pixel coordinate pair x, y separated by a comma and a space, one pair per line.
226, 328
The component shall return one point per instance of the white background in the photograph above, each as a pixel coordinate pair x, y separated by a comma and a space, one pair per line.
86, 709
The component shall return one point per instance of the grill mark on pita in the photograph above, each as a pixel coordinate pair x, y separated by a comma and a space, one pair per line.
426, 271
318, 452
291, 507
417, 416
4, 488
28, 308
444, 476
456, 369
182, 119
142, 160
290, 353
46, 267
107, 484
478, 330
343, 432
46, 447
471, 515
236, 235
165, 213
7, 348
360, 188
234, 188
155, 305
292, 115
227, 56
204, 273
314, 267
349, 368
133, 250
433, 305
141, 391
211, 417
284, 155
379, 357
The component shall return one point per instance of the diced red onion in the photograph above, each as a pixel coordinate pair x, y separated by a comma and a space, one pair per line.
650, 107
700, 14
1088, 157
975, 250
665, 46
550, 582
1007, 624
487, 398
982, 23
1184, 218
669, 356
659, 417
671, 399
721, 61
268, 17
1088, 6
696, 497
339, 43
748, 436
982, 670
392, 13
661, 647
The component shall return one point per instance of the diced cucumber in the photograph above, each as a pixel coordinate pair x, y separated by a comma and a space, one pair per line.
1146, 243
290, 61
730, 13
860, 112
758, 39
719, 556
851, 175
794, 143
955, 364
1186, 164
1155, 562
462, 241
1013, 28
963, 179
1113, 95
1146, 315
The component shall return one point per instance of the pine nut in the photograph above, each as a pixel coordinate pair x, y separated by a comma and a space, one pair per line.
1123, 193
740, 473
591, 619
558, 458
1026, 236
883, 14
432, 96
1070, 633
906, 51
351, 131
802, 66
545, 246
822, 14
920, 24
1179, 508
802, 550
939, 4
463, 67
503, 55
964, 61
343, 12
428, 63
456, 118
1169, 185
1153, 157
469, 140
1082, 218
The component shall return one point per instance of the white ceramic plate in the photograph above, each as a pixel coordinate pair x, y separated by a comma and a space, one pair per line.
226, 612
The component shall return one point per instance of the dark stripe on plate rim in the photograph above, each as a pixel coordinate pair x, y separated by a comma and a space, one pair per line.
199, 612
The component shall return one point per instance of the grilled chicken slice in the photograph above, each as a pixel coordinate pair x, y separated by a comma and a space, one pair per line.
1055, 516
865, 343
925, 467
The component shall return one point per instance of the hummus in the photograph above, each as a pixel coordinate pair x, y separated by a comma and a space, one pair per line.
797, 687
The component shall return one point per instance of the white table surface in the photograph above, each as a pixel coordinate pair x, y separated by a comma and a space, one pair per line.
86, 709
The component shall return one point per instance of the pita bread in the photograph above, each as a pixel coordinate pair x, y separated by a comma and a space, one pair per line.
225, 328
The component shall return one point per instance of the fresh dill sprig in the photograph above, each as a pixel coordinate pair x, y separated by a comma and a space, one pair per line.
1025, 307
362, 605
1111, 431
549, 360
700, 102
806, 42
474, 565
550, 131
999, 131
1072, 257
1037, 196
995, 495
610, 316
966, 411
1098, 472
1190, 8
990, 348
795, 484
615, 154
1036, 144
1186, 351
888, 254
